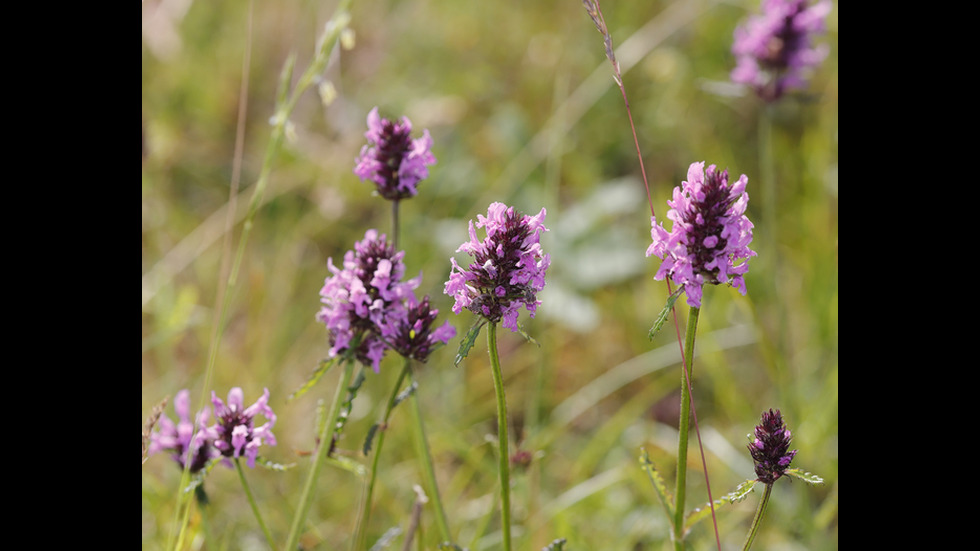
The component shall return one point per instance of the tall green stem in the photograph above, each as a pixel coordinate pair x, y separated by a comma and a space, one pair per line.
429, 471
394, 224
255, 506
757, 521
504, 465
365, 517
326, 438
684, 427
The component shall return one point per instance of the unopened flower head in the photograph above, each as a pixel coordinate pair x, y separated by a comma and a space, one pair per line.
774, 50
394, 161
709, 241
363, 302
178, 438
770, 449
509, 267
234, 433
415, 336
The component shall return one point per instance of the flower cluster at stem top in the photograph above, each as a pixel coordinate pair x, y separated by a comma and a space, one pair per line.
774, 50
770, 449
367, 307
183, 436
508, 269
394, 161
710, 237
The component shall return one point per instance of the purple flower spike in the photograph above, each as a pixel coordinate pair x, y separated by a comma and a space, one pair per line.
509, 269
234, 434
710, 236
415, 337
392, 159
770, 449
774, 50
363, 302
184, 435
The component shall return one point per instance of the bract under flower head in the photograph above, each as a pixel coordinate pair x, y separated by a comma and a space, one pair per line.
509, 267
711, 234
234, 433
363, 302
184, 435
774, 50
394, 161
770, 448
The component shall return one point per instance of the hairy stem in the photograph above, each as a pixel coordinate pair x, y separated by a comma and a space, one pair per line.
428, 468
684, 427
253, 504
757, 521
504, 465
365, 517
326, 438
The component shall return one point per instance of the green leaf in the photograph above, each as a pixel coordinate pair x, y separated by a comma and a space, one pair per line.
665, 312
263, 462
348, 404
321, 369
198, 478
386, 539
405, 394
530, 339
740, 493
369, 438
809, 478
469, 340
557, 545
347, 464
666, 499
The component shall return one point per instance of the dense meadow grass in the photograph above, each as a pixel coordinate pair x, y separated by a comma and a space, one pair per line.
522, 108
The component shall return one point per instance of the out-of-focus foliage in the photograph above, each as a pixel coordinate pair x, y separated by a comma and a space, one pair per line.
523, 109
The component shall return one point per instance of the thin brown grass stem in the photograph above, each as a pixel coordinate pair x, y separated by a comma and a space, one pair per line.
595, 12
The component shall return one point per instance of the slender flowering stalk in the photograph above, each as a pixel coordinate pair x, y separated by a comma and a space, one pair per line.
508, 271
366, 298
774, 50
772, 456
392, 159
709, 241
509, 267
708, 244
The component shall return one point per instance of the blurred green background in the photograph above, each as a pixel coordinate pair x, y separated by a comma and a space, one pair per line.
522, 108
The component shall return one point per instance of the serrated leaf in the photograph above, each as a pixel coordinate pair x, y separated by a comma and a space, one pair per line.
348, 405
386, 539
666, 499
198, 478
740, 493
662, 318
368, 440
807, 477
469, 340
405, 394
529, 338
262, 462
348, 465
557, 545
318, 373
